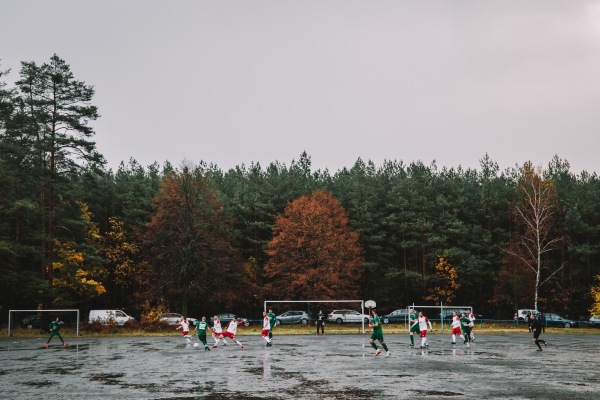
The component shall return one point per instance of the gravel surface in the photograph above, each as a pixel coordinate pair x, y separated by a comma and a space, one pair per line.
302, 367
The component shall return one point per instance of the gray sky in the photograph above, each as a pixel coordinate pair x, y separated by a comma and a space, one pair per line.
231, 82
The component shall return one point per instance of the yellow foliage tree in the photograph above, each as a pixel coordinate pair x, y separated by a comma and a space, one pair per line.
595, 309
447, 274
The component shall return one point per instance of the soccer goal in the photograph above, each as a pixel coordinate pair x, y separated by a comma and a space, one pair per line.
361, 302
31, 319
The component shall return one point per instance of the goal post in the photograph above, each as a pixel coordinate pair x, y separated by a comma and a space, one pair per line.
361, 302
12, 313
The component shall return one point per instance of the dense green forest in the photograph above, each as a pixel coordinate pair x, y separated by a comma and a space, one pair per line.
199, 240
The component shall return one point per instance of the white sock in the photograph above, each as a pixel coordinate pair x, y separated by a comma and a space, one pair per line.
423, 342
453, 338
239, 343
266, 339
217, 340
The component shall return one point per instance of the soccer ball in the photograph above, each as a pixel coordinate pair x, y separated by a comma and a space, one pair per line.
196, 344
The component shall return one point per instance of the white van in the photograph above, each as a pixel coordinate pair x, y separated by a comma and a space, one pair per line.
106, 316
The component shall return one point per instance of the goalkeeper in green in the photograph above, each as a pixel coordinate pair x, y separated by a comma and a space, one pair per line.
55, 331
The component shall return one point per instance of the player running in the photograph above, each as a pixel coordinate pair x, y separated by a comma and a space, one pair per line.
266, 329
184, 325
217, 332
55, 331
422, 322
377, 334
201, 327
455, 326
412, 316
231, 331
536, 327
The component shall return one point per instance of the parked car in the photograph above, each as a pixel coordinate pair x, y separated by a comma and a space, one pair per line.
226, 318
107, 316
522, 315
293, 317
400, 315
340, 316
174, 319
553, 319
594, 321
31, 321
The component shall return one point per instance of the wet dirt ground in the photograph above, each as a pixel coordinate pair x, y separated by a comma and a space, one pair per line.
302, 367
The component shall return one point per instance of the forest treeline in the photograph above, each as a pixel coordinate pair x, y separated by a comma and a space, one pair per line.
199, 240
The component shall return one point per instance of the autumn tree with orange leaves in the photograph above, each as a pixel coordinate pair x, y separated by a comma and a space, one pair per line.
314, 253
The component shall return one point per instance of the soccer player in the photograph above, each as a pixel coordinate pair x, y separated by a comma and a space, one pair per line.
422, 322
55, 331
465, 327
321, 322
266, 329
472, 319
232, 330
455, 326
272, 322
217, 332
184, 325
412, 316
201, 327
377, 334
536, 327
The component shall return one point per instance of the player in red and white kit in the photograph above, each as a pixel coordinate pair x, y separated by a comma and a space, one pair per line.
232, 330
184, 325
217, 332
423, 321
266, 329
455, 327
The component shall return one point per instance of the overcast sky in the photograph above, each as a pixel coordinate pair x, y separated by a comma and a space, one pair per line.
232, 82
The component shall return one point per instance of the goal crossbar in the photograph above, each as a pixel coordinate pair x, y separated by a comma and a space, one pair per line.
362, 305
10, 312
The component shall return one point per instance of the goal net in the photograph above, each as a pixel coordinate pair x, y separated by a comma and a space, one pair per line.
345, 318
41, 318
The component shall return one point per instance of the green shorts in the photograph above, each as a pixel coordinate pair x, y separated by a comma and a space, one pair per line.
377, 336
415, 329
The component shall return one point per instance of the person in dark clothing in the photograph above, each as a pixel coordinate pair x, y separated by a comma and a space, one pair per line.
321, 322
536, 327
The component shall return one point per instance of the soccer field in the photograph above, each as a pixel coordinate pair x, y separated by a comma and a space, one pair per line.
301, 367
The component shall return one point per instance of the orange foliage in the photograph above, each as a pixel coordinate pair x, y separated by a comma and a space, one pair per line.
314, 253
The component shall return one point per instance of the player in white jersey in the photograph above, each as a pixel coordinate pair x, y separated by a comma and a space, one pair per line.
471, 317
232, 330
455, 327
184, 325
422, 322
217, 332
266, 329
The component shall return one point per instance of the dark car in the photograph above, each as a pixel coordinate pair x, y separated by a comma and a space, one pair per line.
400, 315
226, 318
553, 319
594, 321
448, 314
31, 321
293, 317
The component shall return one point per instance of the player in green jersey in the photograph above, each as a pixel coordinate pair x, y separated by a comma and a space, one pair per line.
272, 322
201, 327
412, 316
377, 334
55, 331
465, 327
